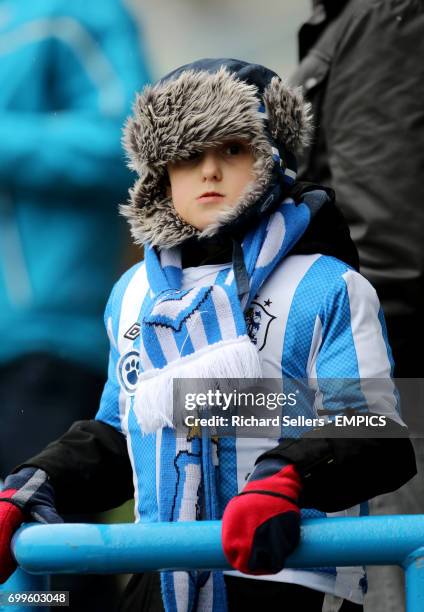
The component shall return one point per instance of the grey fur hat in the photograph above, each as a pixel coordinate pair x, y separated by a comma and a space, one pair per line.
197, 106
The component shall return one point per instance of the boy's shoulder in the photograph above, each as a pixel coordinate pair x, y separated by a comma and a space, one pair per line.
313, 270
318, 280
127, 276
133, 281
336, 286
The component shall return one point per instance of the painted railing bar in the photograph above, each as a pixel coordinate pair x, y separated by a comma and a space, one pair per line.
414, 580
84, 548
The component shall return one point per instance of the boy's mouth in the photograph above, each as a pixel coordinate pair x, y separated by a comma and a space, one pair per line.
210, 196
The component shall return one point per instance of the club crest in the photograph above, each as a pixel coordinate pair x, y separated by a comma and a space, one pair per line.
258, 322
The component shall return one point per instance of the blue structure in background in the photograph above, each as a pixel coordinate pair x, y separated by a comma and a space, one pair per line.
81, 548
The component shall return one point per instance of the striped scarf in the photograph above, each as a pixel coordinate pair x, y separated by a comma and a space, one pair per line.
201, 333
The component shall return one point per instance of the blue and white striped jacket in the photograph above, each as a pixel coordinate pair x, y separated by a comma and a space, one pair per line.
315, 318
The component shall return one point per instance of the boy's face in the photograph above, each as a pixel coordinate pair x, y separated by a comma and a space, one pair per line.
211, 181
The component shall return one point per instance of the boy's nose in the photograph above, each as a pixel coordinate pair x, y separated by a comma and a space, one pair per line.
211, 167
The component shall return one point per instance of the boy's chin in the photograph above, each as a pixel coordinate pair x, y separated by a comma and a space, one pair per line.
203, 224
211, 222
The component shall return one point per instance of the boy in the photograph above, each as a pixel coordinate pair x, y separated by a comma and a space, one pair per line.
226, 229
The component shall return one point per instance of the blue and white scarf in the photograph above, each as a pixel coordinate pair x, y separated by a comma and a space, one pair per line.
201, 333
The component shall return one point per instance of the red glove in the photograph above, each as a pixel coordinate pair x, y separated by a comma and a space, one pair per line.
10, 518
27, 495
261, 525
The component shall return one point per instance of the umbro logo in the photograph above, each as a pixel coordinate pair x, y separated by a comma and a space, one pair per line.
133, 331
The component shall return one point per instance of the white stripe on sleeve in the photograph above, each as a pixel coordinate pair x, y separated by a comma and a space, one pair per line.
371, 350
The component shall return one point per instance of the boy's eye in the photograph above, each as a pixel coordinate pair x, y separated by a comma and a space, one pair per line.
233, 148
193, 156
187, 161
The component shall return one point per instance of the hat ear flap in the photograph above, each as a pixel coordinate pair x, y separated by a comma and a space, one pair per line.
290, 117
131, 143
139, 134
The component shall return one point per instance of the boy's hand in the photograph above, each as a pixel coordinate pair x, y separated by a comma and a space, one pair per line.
26, 494
261, 525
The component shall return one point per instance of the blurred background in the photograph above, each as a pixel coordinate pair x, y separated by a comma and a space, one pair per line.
263, 32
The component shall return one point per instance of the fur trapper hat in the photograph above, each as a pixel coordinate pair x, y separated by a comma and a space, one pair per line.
200, 105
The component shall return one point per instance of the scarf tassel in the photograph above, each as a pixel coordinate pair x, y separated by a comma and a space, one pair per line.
154, 397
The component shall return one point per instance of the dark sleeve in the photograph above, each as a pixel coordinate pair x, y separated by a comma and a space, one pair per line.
365, 81
339, 472
89, 468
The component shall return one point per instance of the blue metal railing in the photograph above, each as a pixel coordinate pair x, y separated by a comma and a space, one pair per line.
347, 541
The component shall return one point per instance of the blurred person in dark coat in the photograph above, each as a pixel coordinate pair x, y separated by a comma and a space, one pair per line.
69, 71
361, 67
